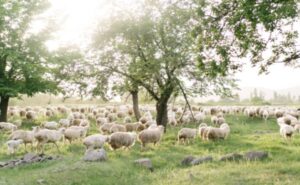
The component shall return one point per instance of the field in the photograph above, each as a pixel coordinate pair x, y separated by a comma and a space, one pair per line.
282, 166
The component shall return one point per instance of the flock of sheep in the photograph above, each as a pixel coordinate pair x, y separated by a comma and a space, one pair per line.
117, 128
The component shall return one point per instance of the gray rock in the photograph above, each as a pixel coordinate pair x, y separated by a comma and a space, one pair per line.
95, 155
201, 160
145, 162
231, 157
2, 164
187, 160
256, 155
29, 157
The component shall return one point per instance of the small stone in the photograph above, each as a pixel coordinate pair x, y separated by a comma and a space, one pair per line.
256, 155
231, 157
29, 157
95, 155
2, 164
187, 160
146, 162
201, 160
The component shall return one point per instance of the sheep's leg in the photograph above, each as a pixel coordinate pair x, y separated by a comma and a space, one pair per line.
56, 146
25, 147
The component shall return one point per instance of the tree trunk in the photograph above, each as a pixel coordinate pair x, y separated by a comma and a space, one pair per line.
162, 112
135, 103
3, 108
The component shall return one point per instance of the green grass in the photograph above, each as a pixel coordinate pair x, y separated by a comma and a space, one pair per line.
282, 166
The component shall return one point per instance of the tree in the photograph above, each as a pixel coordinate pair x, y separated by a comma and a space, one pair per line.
230, 31
153, 48
24, 68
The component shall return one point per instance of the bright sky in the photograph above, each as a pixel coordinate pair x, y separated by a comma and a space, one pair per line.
78, 18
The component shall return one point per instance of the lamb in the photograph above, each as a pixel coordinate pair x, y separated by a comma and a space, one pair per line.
213, 133
186, 134
122, 139
95, 141
26, 136
117, 128
13, 145
286, 131
75, 132
44, 136
7, 126
153, 135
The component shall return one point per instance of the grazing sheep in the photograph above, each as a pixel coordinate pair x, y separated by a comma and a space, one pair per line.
186, 134
25, 135
64, 122
217, 120
279, 113
44, 136
101, 121
286, 131
152, 135
95, 141
265, 114
30, 115
105, 128
213, 133
131, 127
75, 132
7, 126
127, 119
122, 139
13, 145
117, 128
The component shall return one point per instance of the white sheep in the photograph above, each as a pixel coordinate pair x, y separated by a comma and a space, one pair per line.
122, 139
213, 133
152, 135
44, 136
25, 135
186, 134
286, 131
75, 132
100, 121
117, 128
7, 126
13, 145
52, 125
95, 141
64, 122
105, 128
130, 127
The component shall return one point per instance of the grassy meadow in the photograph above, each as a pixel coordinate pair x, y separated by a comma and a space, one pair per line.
282, 166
